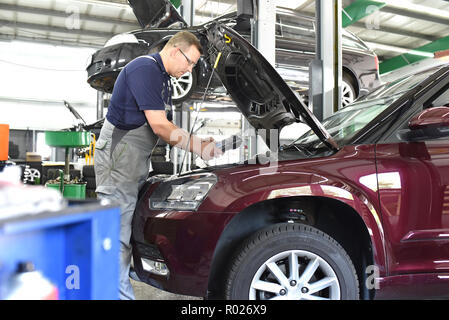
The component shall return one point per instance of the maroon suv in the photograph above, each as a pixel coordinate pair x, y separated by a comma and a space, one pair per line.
356, 208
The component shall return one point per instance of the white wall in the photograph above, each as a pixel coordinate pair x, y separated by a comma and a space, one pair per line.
35, 78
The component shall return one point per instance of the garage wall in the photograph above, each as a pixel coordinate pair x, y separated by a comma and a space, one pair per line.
36, 78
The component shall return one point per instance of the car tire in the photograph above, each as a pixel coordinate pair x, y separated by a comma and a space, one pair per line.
90, 183
159, 151
161, 168
348, 92
183, 87
88, 171
261, 268
157, 159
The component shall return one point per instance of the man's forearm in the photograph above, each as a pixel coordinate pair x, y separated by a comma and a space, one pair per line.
171, 133
178, 137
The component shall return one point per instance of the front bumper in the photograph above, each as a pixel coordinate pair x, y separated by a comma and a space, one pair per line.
184, 241
107, 62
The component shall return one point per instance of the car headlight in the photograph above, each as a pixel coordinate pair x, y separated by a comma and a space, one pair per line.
185, 193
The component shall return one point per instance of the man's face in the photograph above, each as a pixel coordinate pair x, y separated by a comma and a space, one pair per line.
185, 60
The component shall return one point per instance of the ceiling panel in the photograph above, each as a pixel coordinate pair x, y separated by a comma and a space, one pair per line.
99, 19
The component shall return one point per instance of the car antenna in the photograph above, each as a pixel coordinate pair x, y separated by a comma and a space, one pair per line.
198, 110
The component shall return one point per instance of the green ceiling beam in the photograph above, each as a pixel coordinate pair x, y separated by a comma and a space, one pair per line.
359, 9
176, 3
409, 58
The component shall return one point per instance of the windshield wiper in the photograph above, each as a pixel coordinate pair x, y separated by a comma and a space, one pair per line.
298, 147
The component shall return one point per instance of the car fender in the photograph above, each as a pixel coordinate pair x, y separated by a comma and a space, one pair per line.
360, 203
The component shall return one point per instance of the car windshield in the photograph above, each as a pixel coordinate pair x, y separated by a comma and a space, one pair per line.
345, 123
400, 85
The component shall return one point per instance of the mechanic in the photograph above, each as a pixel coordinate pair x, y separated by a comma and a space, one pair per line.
135, 120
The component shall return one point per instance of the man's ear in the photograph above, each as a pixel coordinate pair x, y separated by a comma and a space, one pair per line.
172, 51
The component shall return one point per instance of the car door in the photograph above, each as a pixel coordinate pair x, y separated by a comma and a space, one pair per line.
413, 187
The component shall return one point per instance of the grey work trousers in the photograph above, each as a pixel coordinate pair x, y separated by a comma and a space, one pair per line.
121, 163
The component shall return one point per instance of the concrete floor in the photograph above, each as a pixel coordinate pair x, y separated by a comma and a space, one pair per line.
143, 291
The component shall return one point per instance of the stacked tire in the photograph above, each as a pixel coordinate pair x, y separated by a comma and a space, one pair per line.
159, 163
89, 177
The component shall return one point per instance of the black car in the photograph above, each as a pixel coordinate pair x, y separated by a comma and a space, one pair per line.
295, 48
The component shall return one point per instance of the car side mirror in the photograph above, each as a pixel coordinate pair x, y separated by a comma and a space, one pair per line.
432, 123
430, 118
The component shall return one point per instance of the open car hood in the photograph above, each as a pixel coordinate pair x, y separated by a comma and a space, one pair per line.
258, 90
155, 13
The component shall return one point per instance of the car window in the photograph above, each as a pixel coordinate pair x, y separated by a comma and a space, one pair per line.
439, 99
349, 40
294, 26
302, 28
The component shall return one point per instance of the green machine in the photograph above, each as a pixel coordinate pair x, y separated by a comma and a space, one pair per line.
67, 140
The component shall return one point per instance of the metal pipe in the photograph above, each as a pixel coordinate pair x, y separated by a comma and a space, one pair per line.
100, 105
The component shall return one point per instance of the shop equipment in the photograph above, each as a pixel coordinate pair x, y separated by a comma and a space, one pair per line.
67, 140
71, 254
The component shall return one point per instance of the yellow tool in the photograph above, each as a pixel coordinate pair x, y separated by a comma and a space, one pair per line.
89, 156
216, 61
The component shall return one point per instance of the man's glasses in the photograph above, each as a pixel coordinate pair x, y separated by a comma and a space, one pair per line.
191, 63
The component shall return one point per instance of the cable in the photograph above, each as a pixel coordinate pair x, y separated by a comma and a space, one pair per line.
44, 34
40, 68
198, 110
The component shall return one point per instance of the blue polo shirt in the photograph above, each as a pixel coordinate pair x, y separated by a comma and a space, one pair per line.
143, 84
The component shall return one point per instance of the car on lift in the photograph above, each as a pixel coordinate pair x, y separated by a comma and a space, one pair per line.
355, 208
295, 49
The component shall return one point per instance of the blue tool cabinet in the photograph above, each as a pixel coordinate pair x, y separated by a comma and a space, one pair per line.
76, 249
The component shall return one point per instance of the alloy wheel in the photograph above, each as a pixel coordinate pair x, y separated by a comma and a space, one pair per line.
181, 86
295, 275
347, 93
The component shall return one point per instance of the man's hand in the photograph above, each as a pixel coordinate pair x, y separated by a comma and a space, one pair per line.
209, 150
178, 137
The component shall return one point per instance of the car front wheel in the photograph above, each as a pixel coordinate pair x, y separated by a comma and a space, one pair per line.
291, 261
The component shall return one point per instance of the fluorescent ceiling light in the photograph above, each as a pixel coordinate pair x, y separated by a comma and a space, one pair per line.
99, 3
385, 47
409, 6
